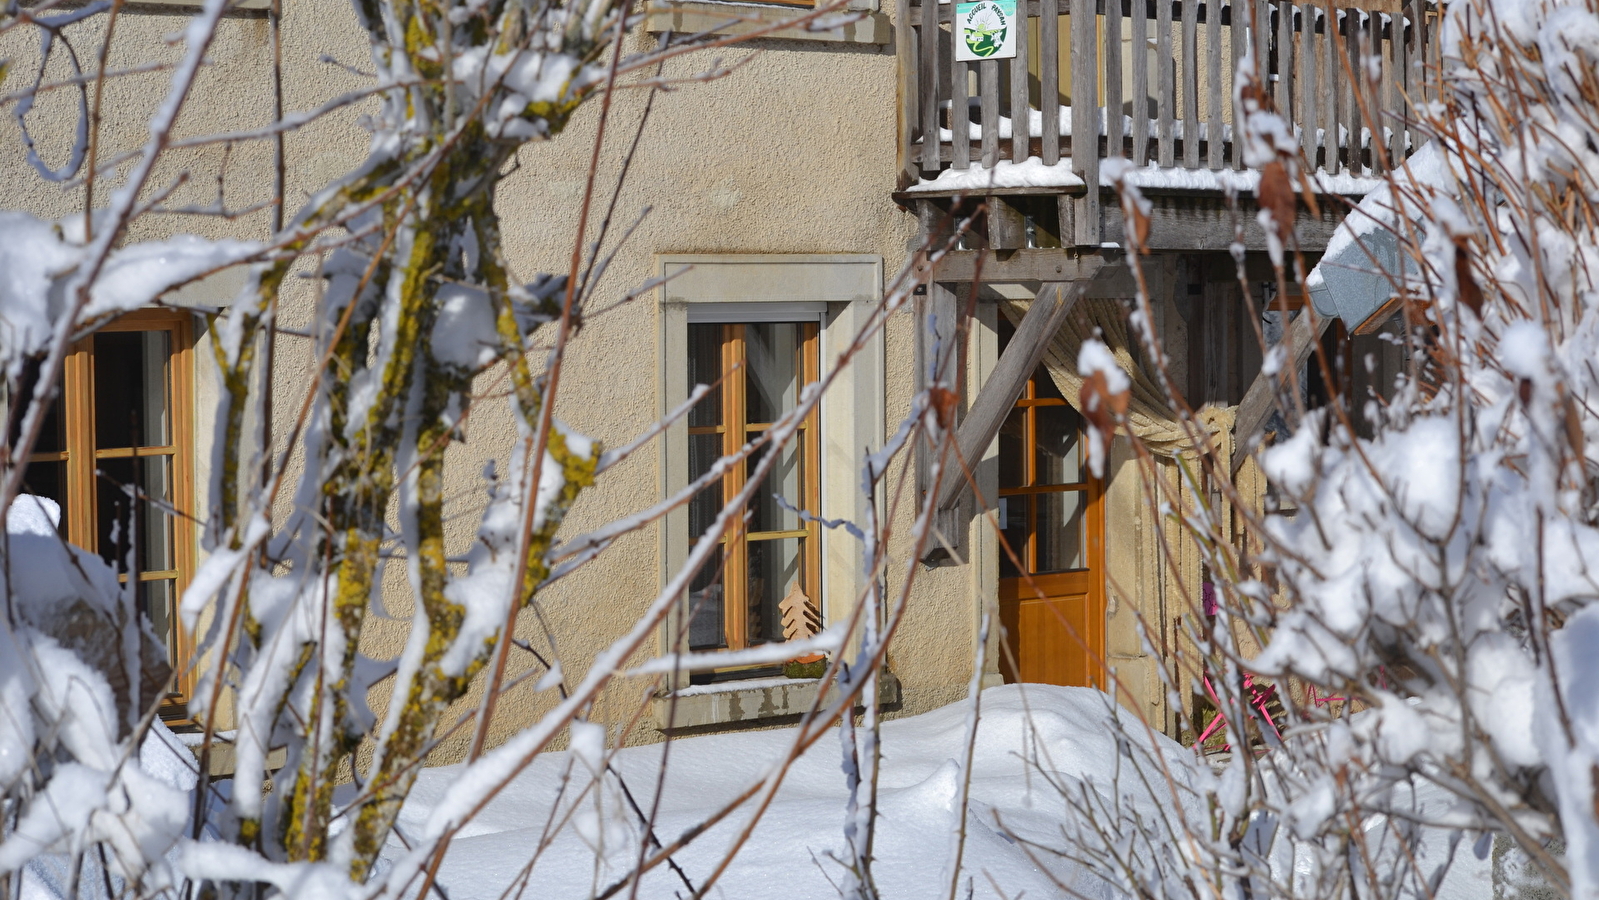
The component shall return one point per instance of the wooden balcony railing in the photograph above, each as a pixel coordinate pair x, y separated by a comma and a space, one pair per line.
1161, 75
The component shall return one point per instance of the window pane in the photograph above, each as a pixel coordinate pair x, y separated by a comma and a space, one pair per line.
130, 389
705, 367
1012, 447
154, 523
48, 479
154, 526
1059, 451
1060, 531
775, 567
1013, 522
703, 452
771, 374
705, 631
156, 601
785, 479
52, 433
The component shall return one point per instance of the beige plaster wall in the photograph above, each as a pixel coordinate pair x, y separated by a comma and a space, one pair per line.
232, 94
794, 153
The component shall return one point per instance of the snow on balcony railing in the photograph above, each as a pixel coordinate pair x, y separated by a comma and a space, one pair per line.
1167, 66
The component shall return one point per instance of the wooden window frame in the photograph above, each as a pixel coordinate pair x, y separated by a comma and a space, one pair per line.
79, 490
736, 431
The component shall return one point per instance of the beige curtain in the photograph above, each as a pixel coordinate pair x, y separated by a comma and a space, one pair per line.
1149, 418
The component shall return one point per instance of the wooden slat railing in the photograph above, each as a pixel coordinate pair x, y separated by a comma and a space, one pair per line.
1158, 79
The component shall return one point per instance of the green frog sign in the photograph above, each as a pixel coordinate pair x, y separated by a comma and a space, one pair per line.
988, 30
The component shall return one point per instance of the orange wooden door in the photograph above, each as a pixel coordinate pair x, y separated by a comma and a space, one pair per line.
1052, 584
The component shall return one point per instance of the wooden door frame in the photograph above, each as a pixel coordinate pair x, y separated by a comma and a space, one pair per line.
1089, 580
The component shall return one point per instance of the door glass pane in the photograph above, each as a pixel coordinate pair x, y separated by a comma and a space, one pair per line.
1013, 522
775, 567
786, 480
1060, 531
151, 477
1013, 449
705, 367
1059, 449
130, 389
705, 631
771, 359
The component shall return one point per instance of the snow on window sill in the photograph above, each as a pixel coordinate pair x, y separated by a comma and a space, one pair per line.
222, 757
728, 18
732, 702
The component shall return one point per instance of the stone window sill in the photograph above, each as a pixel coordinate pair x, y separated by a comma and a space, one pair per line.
733, 702
697, 17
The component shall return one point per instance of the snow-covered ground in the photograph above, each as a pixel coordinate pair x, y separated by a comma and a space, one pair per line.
1033, 743
1024, 732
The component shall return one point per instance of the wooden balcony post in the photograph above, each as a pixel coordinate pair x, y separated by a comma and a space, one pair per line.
1190, 85
1166, 153
1113, 79
1307, 84
1085, 118
1140, 45
1398, 114
910, 108
988, 90
1240, 19
928, 91
1282, 92
960, 111
1049, 78
1330, 92
1019, 103
1213, 97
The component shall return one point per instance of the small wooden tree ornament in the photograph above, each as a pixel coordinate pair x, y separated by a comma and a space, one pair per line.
800, 618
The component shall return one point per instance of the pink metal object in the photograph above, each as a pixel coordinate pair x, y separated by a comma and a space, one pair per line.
1258, 699
1382, 682
1317, 698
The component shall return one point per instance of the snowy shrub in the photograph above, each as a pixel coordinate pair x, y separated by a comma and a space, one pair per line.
1431, 565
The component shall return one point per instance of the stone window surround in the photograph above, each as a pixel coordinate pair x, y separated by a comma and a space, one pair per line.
715, 17
850, 286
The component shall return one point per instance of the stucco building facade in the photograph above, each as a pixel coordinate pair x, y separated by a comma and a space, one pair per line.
779, 203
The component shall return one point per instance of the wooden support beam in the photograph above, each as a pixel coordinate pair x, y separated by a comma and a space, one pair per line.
1007, 226
1044, 318
1187, 222
1261, 398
